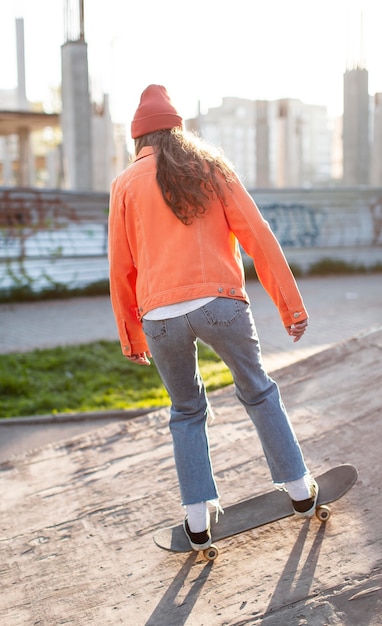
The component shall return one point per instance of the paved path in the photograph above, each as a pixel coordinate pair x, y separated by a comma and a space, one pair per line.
77, 517
339, 308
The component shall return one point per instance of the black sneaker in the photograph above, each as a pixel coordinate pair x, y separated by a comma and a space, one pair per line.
198, 541
306, 508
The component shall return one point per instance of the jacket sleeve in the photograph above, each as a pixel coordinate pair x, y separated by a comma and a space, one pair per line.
254, 234
123, 276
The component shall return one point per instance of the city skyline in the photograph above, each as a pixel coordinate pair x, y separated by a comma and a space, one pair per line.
257, 51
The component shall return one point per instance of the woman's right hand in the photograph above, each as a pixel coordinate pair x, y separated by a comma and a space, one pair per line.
297, 330
141, 359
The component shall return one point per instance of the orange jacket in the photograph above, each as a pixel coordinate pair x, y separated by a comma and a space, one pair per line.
156, 260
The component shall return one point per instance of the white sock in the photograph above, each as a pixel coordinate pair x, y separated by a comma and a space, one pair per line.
198, 517
299, 489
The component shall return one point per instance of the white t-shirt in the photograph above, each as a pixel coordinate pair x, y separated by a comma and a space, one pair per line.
174, 310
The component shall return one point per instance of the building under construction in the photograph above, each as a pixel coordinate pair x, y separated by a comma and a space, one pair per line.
77, 147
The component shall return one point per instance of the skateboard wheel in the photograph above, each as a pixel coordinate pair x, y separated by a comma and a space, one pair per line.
211, 553
323, 513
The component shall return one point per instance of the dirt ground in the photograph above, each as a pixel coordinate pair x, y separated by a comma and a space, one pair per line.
77, 517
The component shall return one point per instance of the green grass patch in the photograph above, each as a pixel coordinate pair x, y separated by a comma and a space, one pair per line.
91, 377
337, 267
56, 291
325, 267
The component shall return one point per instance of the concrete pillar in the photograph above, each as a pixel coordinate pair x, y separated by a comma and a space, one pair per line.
262, 144
376, 154
103, 142
356, 154
25, 172
76, 116
22, 102
24, 176
6, 155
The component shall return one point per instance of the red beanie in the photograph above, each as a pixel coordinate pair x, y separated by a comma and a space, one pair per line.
155, 112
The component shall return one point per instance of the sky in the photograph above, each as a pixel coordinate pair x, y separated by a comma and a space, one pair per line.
201, 50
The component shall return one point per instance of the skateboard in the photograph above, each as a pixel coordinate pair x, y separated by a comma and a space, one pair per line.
260, 510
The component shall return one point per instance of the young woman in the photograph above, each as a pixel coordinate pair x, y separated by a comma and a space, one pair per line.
177, 216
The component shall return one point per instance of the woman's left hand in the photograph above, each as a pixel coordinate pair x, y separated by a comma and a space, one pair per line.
297, 330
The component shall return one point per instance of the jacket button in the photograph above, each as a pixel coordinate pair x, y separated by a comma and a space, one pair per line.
220, 289
232, 292
296, 315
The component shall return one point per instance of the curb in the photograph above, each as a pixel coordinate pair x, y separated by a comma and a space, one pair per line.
62, 418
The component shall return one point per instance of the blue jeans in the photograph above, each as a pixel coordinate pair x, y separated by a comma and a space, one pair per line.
227, 325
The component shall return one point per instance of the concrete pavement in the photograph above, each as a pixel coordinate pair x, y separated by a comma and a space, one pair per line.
78, 509
339, 308
77, 517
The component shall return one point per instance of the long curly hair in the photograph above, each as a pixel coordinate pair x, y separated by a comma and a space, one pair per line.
189, 171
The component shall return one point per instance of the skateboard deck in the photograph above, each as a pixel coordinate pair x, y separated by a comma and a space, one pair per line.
260, 510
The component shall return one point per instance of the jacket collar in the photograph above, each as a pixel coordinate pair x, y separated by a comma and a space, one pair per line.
146, 151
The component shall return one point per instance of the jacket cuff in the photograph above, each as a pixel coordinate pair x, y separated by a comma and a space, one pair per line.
134, 348
129, 345
294, 316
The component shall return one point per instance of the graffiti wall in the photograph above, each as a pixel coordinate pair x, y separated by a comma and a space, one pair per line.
323, 218
52, 237
316, 224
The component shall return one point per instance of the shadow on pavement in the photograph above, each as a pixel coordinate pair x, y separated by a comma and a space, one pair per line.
168, 611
